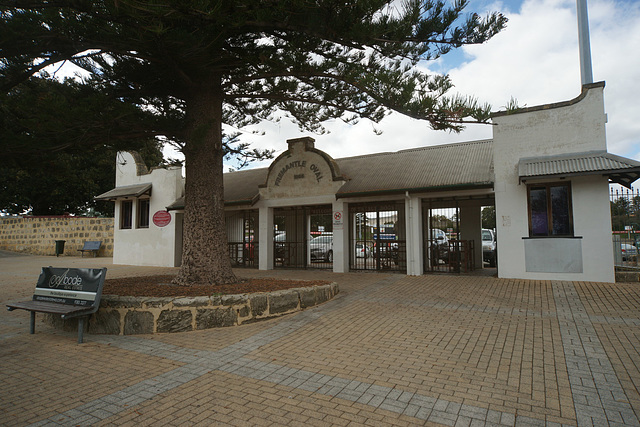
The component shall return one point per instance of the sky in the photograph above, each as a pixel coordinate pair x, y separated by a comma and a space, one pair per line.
535, 60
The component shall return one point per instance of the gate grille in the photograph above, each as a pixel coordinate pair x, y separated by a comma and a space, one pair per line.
303, 237
377, 237
242, 237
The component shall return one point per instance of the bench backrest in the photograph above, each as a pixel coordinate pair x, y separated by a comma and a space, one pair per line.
76, 286
91, 246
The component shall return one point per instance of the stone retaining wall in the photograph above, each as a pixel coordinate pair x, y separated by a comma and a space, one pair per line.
627, 276
146, 315
37, 235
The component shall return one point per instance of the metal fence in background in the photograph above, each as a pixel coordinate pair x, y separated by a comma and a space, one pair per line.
242, 236
625, 225
377, 236
303, 237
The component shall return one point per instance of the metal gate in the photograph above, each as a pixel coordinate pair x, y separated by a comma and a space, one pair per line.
303, 237
377, 237
242, 237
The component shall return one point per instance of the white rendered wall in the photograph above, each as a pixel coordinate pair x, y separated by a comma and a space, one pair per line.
570, 128
340, 214
414, 232
154, 246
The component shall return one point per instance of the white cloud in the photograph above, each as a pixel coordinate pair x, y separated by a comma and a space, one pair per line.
535, 60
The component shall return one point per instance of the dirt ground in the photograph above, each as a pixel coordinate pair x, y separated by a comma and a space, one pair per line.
160, 286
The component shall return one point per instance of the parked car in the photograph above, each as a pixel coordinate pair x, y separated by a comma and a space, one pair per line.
629, 252
439, 246
386, 251
321, 248
280, 245
362, 250
489, 246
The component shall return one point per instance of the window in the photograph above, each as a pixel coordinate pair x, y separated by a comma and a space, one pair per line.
550, 212
126, 214
143, 213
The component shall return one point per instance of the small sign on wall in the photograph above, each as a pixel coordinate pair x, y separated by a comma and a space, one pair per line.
338, 223
161, 218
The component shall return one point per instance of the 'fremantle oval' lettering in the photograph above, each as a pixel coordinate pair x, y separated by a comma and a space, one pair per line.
316, 170
298, 164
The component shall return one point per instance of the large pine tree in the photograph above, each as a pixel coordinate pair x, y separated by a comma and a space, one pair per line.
58, 141
202, 63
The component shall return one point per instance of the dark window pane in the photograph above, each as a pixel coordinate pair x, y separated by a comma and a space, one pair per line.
126, 211
143, 213
538, 205
560, 211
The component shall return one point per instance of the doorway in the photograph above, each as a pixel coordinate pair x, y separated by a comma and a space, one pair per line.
377, 237
303, 237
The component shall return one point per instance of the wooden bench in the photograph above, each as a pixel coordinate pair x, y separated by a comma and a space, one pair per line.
69, 292
90, 247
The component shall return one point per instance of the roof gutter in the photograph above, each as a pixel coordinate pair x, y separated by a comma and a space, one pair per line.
408, 191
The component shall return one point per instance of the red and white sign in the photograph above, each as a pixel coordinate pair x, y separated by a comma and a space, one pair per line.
337, 220
161, 218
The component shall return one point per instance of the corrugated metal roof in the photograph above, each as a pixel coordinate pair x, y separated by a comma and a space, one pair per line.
177, 205
458, 165
442, 166
240, 187
243, 185
619, 169
125, 191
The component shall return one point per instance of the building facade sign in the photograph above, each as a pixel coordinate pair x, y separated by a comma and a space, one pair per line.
299, 168
302, 170
161, 218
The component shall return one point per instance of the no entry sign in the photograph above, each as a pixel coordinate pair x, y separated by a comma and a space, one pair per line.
161, 218
337, 220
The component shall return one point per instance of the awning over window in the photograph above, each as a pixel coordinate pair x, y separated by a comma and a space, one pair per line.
619, 169
125, 192
177, 205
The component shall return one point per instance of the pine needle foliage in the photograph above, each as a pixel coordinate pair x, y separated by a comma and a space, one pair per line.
202, 64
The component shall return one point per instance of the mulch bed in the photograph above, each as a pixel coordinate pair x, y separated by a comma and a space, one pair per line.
160, 286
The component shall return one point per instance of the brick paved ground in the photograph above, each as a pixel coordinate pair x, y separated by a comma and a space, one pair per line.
389, 350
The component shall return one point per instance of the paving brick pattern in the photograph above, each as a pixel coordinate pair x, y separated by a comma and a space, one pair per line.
389, 350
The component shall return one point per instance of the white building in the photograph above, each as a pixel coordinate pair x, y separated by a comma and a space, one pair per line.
546, 170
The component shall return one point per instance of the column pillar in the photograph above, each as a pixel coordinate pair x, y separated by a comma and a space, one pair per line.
265, 238
471, 228
340, 218
415, 246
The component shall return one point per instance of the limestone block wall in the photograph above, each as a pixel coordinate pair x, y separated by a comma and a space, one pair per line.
119, 315
37, 235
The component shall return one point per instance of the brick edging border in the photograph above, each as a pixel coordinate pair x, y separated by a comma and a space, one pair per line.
120, 315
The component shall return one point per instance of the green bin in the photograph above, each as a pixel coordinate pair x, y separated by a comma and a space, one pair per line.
60, 247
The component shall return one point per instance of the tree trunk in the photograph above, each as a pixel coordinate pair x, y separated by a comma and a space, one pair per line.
205, 257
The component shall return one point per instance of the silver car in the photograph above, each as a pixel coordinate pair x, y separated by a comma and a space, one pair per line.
362, 251
629, 252
321, 248
489, 247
